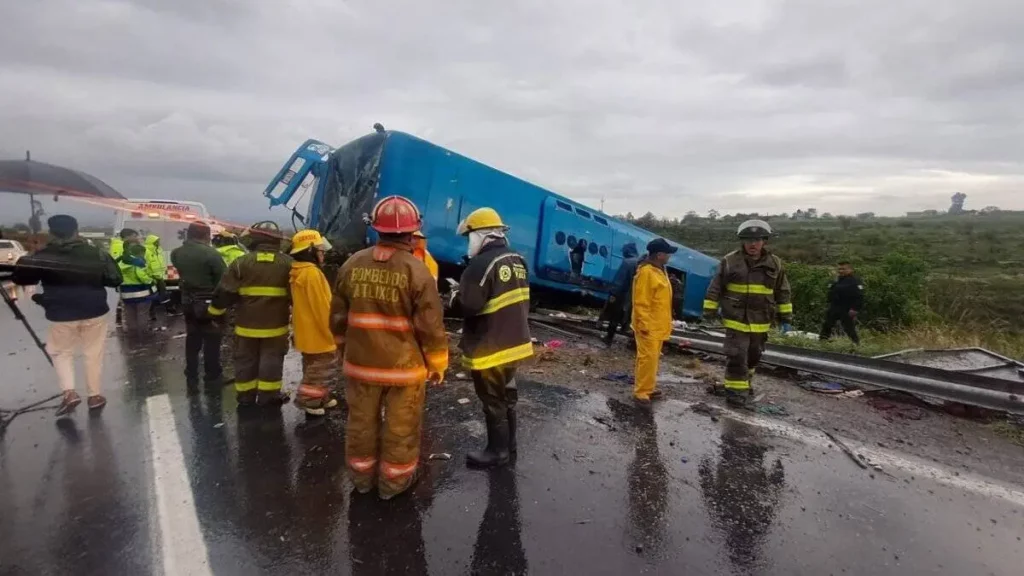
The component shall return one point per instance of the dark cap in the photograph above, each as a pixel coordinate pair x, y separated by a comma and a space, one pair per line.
198, 231
661, 246
62, 225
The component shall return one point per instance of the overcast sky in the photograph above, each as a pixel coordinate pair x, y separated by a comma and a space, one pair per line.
668, 106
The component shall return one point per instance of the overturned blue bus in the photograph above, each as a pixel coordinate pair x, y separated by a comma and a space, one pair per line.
333, 189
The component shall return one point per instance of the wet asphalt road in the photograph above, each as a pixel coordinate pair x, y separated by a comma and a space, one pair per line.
598, 488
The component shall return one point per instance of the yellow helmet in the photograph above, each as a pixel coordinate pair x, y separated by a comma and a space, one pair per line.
481, 219
305, 239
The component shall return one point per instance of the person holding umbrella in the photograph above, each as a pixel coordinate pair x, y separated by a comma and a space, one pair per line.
75, 276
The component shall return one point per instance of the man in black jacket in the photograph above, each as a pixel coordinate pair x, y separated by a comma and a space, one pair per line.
845, 299
200, 268
75, 277
622, 288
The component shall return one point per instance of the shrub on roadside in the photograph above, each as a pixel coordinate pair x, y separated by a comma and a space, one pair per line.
893, 293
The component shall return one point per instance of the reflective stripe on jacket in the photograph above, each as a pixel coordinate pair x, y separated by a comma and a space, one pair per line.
386, 317
652, 302
257, 284
750, 293
137, 284
230, 253
494, 295
155, 263
311, 309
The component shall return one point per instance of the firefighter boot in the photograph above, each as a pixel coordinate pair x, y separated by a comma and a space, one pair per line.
246, 399
511, 430
739, 399
496, 453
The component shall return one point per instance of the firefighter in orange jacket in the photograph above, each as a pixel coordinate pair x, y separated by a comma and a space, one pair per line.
311, 325
419, 250
387, 320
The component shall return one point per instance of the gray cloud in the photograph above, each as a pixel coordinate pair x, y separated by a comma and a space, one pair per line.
653, 105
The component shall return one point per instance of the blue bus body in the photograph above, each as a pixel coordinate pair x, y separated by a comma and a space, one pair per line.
333, 189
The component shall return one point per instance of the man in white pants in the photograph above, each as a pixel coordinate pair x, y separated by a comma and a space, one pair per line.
75, 277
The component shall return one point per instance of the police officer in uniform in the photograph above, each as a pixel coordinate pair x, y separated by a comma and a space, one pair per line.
845, 299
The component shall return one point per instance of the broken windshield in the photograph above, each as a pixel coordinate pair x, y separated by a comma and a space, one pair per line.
351, 185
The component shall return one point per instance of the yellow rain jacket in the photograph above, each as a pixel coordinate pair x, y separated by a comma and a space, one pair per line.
155, 263
652, 302
311, 309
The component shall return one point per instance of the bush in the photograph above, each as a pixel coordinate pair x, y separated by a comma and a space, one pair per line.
893, 293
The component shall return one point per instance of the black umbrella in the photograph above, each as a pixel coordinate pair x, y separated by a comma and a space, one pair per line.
30, 177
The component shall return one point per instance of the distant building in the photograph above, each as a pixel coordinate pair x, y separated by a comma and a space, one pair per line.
923, 214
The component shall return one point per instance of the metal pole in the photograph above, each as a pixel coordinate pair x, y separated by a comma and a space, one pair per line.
18, 315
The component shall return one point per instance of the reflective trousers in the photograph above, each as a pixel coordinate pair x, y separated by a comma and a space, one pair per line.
743, 351
259, 364
320, 376
645, 374
387, 451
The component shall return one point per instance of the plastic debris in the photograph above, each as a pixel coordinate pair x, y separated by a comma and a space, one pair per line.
463, 401
440, 456
218, 425
554, 344
823, 387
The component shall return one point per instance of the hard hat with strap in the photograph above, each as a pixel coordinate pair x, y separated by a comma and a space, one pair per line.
754, 230
481, 219
395, 215
305, 239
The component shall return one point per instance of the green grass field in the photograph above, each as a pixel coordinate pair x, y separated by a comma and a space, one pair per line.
930, 282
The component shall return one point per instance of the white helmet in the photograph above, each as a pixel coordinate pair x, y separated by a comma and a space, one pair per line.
754, 230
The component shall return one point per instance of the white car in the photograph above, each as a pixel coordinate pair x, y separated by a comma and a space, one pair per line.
11, 251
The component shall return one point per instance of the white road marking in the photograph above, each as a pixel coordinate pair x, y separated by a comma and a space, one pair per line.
183, 548
888, 459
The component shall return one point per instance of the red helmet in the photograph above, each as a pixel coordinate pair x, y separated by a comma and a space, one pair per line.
395, 215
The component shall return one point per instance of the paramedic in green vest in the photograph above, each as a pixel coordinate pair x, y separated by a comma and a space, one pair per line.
157, 268
116, 251
137, 287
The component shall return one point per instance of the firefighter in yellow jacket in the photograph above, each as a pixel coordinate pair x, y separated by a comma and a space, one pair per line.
494, 296
652, 318
387, 320
257, 286
749, 290
311, 323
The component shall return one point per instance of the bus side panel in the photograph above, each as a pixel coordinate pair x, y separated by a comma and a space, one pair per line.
565, 225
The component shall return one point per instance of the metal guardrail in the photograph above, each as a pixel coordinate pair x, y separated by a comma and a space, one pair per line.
954, 386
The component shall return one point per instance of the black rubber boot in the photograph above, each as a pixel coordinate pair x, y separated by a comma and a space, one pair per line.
496, 453
737, 399
511, 414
